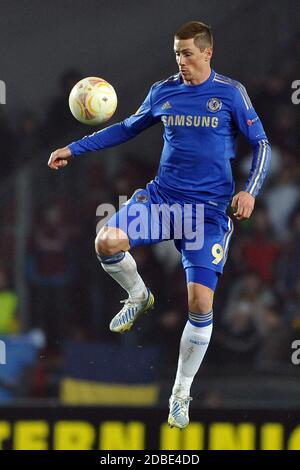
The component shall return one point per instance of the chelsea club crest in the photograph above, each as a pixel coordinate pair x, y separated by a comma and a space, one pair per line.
214, 105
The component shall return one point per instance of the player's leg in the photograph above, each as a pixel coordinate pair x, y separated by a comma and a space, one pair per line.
196, 334
203, 268
112, 245
194, 342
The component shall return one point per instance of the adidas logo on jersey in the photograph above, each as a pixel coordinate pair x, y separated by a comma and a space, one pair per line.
166, 105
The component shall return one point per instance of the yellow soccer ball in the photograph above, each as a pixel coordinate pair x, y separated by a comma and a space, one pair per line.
93, 101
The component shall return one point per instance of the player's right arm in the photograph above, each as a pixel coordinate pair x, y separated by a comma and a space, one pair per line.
108, 137
60, 158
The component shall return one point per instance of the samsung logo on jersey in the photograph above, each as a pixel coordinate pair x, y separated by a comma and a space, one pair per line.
195, 121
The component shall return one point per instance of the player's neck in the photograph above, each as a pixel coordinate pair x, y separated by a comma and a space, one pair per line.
201, 77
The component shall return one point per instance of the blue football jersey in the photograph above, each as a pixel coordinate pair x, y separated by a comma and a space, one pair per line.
201, 124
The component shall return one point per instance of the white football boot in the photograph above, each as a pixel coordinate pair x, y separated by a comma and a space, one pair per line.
132, 310
179, 412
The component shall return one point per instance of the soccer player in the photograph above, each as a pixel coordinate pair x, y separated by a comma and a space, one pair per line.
202, 112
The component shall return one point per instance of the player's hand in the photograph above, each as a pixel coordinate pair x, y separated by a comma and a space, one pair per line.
60, 158
243, 203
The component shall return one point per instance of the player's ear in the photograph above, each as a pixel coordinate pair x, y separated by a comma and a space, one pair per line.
208, 53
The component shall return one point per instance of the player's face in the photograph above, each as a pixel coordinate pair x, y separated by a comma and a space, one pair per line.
191, 61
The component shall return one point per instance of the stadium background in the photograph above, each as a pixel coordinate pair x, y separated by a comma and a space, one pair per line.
68, 382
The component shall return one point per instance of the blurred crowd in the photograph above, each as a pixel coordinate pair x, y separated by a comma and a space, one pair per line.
257, 302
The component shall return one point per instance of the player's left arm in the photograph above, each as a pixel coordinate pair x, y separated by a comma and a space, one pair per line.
250, 125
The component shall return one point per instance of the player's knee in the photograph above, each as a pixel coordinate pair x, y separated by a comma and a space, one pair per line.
201, 305
106, 247
106, 243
